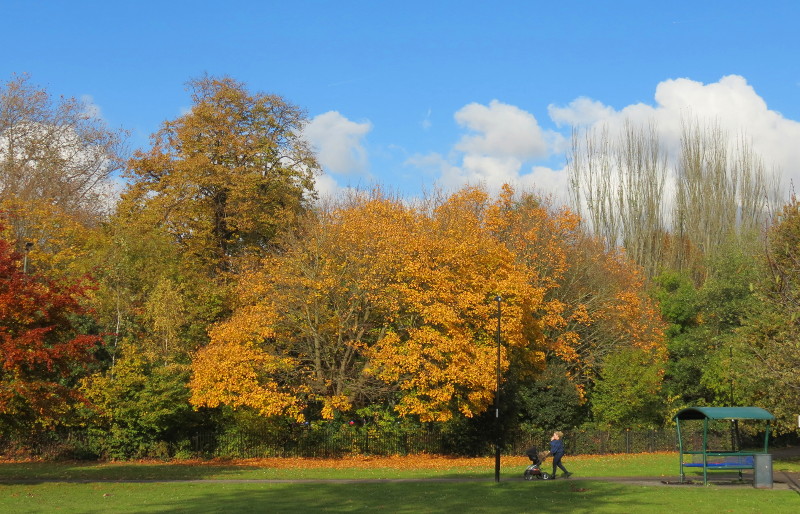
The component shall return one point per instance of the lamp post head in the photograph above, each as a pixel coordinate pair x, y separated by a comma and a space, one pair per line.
498, 298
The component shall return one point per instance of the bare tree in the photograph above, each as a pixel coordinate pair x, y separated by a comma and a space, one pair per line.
57, 151
669, 215
723, 191
621, 183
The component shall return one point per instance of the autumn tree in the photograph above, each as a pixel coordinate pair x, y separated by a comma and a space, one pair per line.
441, 347
225, 178
215, 188
595, 302
43, 350
614, 311
379, 301
384, 301
56, 158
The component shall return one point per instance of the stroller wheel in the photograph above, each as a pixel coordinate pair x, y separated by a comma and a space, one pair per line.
528, 476
546, 476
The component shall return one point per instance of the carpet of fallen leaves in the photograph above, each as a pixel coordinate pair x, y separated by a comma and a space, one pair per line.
419, 461
423, 461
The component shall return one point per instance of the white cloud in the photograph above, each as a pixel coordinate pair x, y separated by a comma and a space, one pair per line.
503, 143
339, 143
502, 139
326, 186
581, 111
503, 131
546, 181
731, 102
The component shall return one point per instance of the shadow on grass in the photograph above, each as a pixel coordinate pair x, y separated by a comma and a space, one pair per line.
41, 472
389, 496
409, 497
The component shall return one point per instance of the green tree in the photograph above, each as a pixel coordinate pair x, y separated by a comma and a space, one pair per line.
141, 408
549, 402
628, 392
155, 310
688, 357
768, 343
703, 321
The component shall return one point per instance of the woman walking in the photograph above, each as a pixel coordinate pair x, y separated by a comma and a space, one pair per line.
557, 451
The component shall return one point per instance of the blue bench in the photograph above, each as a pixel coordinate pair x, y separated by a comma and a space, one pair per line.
721, 461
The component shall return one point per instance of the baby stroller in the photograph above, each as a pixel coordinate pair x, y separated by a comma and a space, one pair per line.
534, 471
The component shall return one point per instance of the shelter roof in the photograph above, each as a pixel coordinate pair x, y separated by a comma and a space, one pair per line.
723, 413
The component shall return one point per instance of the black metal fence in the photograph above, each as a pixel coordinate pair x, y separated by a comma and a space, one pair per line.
333, 441
336, 443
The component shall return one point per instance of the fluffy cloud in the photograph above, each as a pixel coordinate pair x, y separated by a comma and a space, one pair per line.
338, 142
501, 139
506, 144
502, 131
731, 102
581, 111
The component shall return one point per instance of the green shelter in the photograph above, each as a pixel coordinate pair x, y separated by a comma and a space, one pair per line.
733, 459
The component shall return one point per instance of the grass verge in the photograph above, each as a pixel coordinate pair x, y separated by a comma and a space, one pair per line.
427, 497
45, 487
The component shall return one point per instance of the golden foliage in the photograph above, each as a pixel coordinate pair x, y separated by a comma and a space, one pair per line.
227, 176
240, 375
379, 300
60, 242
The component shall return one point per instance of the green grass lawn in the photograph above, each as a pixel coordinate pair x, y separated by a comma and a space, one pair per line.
555, 496
42, 487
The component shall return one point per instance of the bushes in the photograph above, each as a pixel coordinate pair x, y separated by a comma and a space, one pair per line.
334, 440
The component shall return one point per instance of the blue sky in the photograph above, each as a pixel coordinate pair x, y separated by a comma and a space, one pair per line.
416, 94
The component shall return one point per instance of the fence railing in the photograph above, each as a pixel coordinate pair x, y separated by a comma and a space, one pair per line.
341, 441
312, 443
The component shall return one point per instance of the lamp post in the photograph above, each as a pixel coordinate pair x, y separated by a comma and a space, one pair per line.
498, 299
28, 247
